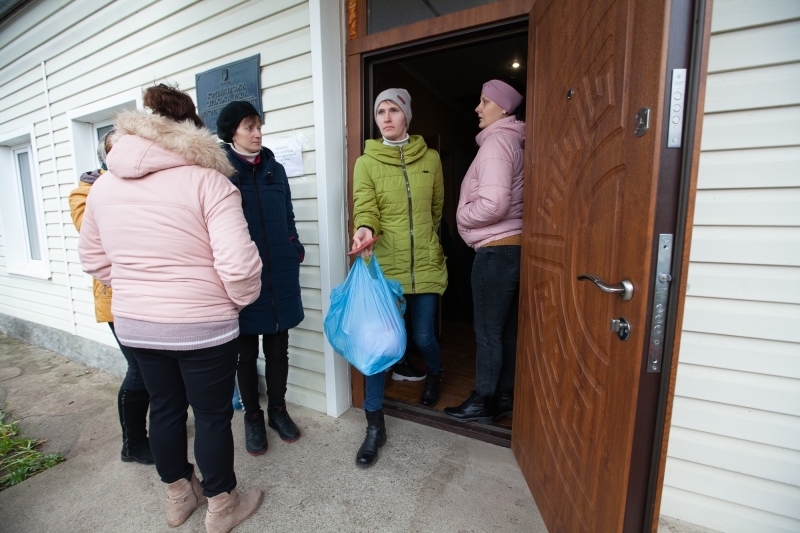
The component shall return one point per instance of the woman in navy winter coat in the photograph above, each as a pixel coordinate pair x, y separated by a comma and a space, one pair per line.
267, 206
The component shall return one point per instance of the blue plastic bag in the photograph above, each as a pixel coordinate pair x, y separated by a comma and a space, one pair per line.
365, 321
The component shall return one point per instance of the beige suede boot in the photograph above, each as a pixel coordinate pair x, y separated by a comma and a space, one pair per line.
183, 498
226, 511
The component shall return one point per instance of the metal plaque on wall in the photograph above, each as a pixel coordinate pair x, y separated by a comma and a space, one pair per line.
240, 80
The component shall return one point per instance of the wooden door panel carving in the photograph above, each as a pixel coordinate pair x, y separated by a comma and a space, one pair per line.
587, 203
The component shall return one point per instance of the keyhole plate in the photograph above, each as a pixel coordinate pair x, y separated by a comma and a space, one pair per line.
621, 327
642, 121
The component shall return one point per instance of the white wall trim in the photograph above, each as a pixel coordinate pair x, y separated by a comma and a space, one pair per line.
56, 182
19, 136
327, 66
11, 208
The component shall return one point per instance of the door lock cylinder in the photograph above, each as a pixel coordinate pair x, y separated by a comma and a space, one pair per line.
621, 327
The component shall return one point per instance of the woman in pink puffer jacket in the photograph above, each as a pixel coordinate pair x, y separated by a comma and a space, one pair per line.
489, 219
164, 229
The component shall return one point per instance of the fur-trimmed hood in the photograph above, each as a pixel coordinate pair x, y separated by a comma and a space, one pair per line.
155, 143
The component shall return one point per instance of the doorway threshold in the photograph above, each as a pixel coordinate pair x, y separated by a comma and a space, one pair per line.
427, 416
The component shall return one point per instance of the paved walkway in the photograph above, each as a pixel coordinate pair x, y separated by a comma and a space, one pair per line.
425, 481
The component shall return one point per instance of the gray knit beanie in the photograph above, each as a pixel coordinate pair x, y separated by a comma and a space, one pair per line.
399, 97
101, 147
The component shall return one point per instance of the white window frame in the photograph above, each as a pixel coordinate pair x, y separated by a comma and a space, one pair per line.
84, 121
12, 207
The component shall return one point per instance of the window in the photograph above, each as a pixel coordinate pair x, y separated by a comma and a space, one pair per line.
89, 123
21, 206
24, 169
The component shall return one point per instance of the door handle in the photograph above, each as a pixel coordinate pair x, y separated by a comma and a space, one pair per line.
624, 288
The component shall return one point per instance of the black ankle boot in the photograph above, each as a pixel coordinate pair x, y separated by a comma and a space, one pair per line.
280, 421
431, 393
502, 406
376, 437
132, 406
255, 433
473, 409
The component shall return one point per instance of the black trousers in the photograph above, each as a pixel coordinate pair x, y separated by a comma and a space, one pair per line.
204, 379
495, 293
276, 358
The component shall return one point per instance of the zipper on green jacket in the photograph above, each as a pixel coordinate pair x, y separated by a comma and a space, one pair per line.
410, 218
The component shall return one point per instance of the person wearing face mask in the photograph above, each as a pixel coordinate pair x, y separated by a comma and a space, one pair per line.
398, 193
489, 218
267, 206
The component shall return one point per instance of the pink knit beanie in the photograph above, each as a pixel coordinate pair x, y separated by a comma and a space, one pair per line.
502, 94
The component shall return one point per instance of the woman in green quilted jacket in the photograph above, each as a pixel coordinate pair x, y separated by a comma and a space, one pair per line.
398, 193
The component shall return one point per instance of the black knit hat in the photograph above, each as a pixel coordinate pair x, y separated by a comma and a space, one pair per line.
231, 116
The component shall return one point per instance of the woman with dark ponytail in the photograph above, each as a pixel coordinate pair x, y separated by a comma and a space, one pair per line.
164, 228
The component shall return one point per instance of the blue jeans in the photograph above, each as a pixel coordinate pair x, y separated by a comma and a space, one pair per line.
495, 293
422, 310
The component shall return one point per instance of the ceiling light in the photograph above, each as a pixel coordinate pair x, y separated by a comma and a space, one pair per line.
515, 64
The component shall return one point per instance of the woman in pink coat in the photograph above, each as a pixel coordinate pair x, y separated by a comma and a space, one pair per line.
164, 228
489, 219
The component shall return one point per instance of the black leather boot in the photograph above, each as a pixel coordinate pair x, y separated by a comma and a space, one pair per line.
132, 406
430, 395
280, 421
502, 406
376, 437
255, 433
473, 409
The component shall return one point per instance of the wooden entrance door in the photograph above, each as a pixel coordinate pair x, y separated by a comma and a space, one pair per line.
590, 198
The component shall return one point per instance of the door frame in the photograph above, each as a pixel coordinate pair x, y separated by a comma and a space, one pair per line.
359, 45
690, 162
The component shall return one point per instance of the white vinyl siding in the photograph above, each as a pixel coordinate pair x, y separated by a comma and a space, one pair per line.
734, 453
99, 49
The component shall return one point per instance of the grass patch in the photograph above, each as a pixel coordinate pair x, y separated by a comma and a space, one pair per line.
19, 458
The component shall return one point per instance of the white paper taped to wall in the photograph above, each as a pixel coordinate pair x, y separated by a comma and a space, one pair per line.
289, 153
